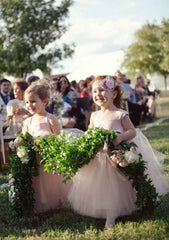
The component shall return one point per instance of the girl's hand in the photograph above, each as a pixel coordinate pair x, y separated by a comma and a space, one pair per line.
36, 142
20, 111
117, 140
114, 159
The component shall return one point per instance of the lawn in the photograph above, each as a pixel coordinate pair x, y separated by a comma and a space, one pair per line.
65, 224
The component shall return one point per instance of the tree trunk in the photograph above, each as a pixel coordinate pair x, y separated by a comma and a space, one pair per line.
165, 82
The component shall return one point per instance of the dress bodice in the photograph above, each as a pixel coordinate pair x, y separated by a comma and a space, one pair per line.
37, 129
109, 122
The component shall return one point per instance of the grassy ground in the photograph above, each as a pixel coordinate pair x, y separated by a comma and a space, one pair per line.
65, 224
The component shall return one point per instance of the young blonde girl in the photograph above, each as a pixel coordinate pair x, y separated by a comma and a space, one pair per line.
98, 188
49, 191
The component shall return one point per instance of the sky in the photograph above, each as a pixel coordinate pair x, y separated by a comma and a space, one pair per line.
103, 30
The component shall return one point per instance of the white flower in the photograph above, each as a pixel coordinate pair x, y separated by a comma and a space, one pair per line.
22, 153
12, 145
11, 194
109, 83
11, 179
25, 160
18, 141
126, 94
131, 157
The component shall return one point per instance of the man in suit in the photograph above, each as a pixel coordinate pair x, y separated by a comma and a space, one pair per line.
5, 96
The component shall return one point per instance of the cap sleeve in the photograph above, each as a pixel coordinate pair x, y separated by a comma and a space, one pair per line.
26, 123
92, 117
123, 114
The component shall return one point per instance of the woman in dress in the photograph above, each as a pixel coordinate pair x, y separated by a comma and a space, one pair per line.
16, 109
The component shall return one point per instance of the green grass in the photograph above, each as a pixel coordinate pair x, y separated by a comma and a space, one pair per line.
65, 224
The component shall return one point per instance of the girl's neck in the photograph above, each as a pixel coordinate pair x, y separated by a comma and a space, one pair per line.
111, 107
41, 114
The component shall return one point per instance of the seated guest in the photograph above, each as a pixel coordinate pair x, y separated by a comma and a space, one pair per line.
5, 96
135, 110
32, 79
16, 109
126, 84
150, 103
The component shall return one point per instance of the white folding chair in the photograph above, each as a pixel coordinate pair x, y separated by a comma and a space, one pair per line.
2, 144
4, 139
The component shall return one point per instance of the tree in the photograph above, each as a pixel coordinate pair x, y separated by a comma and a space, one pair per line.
149, 52
28, 29
164, 40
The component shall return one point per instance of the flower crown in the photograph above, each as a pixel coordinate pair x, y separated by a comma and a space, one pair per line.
109, 83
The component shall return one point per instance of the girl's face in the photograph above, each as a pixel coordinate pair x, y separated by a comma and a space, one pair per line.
18, 92
101, 96
35, 104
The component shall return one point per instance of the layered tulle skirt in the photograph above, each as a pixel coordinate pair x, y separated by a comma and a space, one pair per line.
49, 191
154, 160
100, 191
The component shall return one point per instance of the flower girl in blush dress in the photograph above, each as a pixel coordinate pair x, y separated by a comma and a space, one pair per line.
98, 190
49, 190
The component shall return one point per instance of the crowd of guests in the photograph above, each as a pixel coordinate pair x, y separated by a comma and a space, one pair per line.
72, 101
140, 101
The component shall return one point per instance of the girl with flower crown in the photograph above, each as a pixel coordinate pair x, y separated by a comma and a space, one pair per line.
98, 189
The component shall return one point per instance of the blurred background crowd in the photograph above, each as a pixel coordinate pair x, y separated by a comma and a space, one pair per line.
71, 101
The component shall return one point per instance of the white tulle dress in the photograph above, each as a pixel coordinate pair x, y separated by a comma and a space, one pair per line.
99, 190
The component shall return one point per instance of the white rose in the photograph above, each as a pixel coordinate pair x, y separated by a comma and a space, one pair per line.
18, 141
25, 160
12, 145
21, 152
11, 179
131, 157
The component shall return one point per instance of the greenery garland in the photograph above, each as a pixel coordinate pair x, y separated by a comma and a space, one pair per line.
67, 153
22, 168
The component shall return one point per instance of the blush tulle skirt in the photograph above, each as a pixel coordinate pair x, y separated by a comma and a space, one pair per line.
100, 191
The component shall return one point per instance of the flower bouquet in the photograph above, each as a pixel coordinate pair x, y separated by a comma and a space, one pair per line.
58, 105
131, 165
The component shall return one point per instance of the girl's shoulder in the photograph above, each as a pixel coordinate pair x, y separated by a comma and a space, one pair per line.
94, 114
28, 120
51, 117
121, 113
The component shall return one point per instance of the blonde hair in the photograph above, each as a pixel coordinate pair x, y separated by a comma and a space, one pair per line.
118, 101
41, 88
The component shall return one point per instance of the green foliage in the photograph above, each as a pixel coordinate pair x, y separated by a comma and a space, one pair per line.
30, 26
149, 52
21, 192
68, 154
